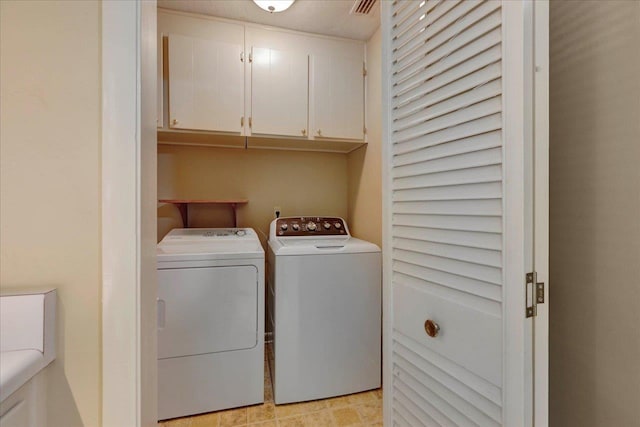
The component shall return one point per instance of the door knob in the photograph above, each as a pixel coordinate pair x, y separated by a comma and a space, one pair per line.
431, 328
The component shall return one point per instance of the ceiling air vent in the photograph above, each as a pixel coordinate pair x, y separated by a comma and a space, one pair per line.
362, 7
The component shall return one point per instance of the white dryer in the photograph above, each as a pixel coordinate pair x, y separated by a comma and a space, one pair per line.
210, 321
324, 307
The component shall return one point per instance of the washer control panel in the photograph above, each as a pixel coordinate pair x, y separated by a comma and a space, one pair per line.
310, 226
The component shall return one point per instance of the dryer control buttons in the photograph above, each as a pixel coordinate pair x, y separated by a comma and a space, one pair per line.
311, 226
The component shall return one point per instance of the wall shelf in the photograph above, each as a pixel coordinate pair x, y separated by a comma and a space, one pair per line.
195, 138
183, 206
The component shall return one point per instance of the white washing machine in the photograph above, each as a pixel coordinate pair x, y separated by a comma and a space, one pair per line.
324, 308
210, 321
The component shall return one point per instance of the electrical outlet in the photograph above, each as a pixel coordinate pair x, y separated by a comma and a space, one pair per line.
277, 211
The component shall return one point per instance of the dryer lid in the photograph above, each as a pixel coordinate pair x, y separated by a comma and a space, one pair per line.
209, 243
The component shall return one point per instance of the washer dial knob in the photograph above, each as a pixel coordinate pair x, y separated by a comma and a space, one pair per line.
337, 225
326, 225
311, 226
284, 227
295, 227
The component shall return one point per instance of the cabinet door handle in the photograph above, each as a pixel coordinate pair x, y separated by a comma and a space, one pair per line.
304, 131
174, 122
319, 132
242, 121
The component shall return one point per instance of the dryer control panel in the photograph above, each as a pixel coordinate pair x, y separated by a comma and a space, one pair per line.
311, 226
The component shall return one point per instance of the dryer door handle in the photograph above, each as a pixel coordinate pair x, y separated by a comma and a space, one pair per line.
162, 319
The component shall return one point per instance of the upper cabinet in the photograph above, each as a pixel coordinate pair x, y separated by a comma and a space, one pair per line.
279, 92
227, 80
338, 97
206, 84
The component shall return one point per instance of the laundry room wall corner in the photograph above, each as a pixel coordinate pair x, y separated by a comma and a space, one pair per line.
365, 164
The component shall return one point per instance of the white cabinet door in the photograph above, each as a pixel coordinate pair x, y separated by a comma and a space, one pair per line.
206, 84
338, 97
279, 92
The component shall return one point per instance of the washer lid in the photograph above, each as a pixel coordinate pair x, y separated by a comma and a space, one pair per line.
184, 244
321, 246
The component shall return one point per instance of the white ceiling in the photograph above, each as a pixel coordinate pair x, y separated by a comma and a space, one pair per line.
330, 17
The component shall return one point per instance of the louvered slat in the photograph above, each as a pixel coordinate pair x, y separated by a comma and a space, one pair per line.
425, 32
484, 141
403, 344
459, 268
455, 386
482, 51
485, 224
455, 237
453, 192
459, 97
407, 417
476, 19
474, 255
455, 409
473, 112
474, 159
406, 14
474, 127
445, 279
446, 221
457, 41
490, 173
451, 207
406, 34
421, 409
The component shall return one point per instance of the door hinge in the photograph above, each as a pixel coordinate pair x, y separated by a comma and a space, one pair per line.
534, 291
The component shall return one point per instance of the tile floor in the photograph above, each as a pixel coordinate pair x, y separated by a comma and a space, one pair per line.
360, 409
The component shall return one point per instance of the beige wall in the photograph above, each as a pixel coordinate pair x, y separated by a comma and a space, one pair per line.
365, 167
50, 184
595, 211
300, 183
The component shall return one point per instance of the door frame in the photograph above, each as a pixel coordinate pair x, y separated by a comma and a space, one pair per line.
541, 208
518, 252
128, 195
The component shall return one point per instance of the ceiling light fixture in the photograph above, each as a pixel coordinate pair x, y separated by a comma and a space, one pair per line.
274, 5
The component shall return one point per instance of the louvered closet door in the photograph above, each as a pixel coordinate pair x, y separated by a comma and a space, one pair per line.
448, 235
